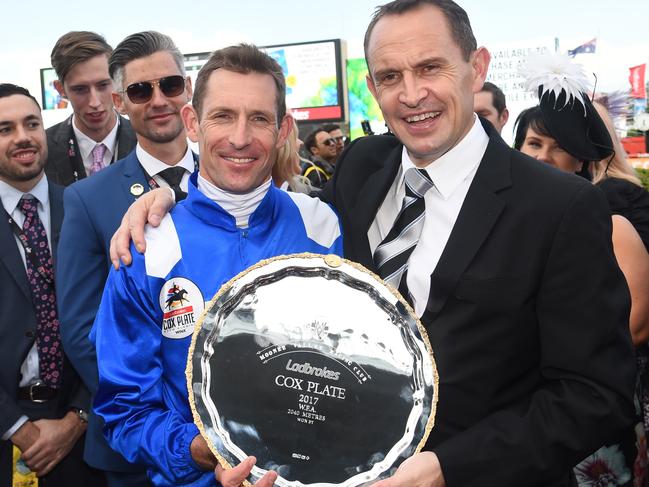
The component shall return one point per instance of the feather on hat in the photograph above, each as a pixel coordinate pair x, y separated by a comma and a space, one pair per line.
568, 113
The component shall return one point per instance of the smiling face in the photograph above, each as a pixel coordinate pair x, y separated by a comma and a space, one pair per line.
158, 121
238, 132
88, 87
547, 149
23, 146
422, 82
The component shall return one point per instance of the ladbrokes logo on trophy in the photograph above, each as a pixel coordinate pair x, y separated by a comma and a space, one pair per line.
182, 303
308, 369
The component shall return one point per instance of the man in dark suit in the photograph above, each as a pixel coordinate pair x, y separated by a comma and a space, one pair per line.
42, 400
94, 136
512, 270
513, 273
95, 206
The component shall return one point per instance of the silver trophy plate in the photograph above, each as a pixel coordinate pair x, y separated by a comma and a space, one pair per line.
316, 367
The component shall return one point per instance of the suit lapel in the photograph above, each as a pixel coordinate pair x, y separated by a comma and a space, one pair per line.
368, 201
10, 256
56, 216
127, 140
71, 150
132, 175
479, 213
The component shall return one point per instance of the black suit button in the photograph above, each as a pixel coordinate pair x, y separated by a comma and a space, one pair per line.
29, 334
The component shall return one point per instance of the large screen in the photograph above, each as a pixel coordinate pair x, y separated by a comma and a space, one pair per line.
314, 79
313, 71
50, 97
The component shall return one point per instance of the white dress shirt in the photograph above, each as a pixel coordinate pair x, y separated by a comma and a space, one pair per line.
452, 175
86, 145
153, 167
29, 370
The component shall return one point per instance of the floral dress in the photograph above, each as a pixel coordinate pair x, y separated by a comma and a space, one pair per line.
625, 463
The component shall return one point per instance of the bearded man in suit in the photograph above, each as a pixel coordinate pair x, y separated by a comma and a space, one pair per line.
43, 404
150, 62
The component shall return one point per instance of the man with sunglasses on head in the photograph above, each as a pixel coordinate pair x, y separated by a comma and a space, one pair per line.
94, 135
151, 88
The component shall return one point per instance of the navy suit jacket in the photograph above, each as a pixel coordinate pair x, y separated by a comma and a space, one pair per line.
93, 210
18, 329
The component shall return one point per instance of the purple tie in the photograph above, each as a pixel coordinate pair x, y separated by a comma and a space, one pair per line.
97, 159
41, 281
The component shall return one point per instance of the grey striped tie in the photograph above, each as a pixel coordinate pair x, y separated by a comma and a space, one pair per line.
391, 257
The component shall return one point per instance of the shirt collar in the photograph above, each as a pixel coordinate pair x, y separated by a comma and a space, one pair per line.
86, 144
448, 172
153, 166
200, 204
240, 206
11, 196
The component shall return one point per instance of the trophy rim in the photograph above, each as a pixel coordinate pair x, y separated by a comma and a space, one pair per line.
331, 260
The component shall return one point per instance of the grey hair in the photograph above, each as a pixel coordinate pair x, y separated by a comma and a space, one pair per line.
137, 46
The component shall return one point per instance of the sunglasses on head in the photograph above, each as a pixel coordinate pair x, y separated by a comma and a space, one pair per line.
142, 92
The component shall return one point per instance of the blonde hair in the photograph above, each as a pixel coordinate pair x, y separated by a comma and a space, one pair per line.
287, 167
617, 165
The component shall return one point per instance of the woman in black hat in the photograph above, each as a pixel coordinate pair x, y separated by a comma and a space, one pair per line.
577, 140
566, 131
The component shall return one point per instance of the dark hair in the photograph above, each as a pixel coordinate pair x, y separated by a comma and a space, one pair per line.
330, 127
458, 22
242, 59
8, 89
139, 45
311, 141
498, 96
529, 118
76, 47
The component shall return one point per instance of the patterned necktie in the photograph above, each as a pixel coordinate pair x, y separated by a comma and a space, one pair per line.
391, 257
41, 281
173, 176
97, 159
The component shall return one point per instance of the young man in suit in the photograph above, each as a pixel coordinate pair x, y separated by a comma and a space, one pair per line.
42, 400
512, 271
94, 207
94, 136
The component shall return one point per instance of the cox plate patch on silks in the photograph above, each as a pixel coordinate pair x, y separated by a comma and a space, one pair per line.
182, 304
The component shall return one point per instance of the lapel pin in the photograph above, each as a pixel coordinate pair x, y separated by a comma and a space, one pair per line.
137, 189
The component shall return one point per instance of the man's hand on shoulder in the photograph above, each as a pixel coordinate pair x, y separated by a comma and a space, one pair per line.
420, 470
56, 439
149, 208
